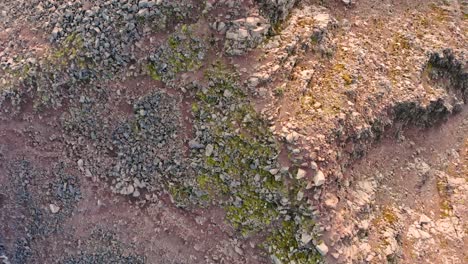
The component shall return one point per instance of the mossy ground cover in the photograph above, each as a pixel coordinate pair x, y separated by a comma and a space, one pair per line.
240, 171
182, 52
51, 78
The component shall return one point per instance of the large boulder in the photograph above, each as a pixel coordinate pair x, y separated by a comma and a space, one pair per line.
276, 10
245, 34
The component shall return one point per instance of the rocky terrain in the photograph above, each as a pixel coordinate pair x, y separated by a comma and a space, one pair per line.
221, 131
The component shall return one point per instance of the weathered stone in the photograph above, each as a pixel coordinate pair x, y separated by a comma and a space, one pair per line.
54, 208
319, 178
424, 219
209, 150
300, 174
305, 238
331, 200
322, 248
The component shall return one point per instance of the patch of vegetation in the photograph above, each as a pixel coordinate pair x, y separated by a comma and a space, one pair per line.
68, 50
51, 79
325, 98
281, 241
446, 208
279, 92
347, 78
399, 43
439, 14
238, 170
387, 217
182, 52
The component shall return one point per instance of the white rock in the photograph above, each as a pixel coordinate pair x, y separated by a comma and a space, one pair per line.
88, 173
423, 219
54, 208
305, 238
456, 182
300, 196
364, 224
331, 200
276, 260
127, 190
209, 150
274, 171
55, 32
391, 247
319, 178
227, 93
4, 259
238, 250
80, 164
313, 165
221, 26
424, 234
253, 82
365, 248
322, 248
301, 174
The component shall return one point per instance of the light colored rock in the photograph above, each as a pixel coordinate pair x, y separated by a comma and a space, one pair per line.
322, 20
319, 178
275, 260
245, 34
221, 26
242, 34
4, 259
227, 93
292, 137
456, 182
253, 82
305, 238
331, 200
364, 224
80, 164
300, 174
56, 32
88, 173
127, 190
209, 150
231, 35
239, 250
274, 171
392, 246
300, 196
54, 208
423, 219
424, 234
313, 165
322, 248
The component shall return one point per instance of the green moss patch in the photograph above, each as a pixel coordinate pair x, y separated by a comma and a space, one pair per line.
182, 52
238, 169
